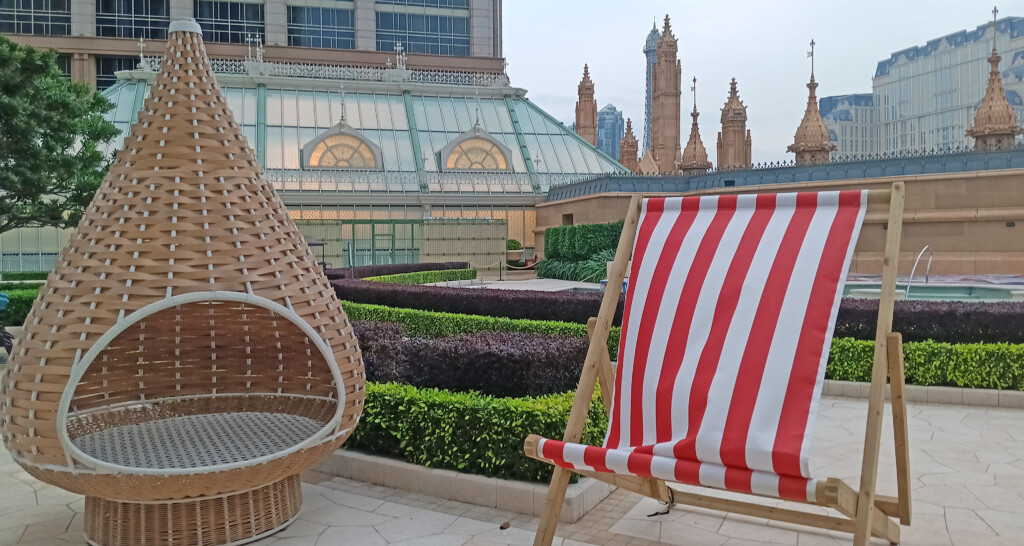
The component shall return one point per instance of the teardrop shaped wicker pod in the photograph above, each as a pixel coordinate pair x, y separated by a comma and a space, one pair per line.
187, 347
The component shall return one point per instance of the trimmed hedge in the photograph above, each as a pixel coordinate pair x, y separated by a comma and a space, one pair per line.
24, 275
591, 270
433, 325
513, 244
972, 365
466, 431
424, 277
493, 363
560, 306
390, 269
577, 243
19, 304
8, 286
943, 321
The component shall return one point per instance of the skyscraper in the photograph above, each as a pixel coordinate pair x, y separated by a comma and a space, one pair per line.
651, 52
610, 129
96, 38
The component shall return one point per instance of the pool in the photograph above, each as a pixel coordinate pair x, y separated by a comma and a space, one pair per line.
939, 292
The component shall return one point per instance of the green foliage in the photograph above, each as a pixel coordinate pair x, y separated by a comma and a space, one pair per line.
466, 431
25, 275
971, 365
7, 286
50, 161
590, 270
18, 305
582, 242
513, 244
424, 277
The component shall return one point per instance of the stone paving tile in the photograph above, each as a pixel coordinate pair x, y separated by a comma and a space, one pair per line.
967, 477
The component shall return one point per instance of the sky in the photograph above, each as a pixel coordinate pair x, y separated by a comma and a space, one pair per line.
761, 43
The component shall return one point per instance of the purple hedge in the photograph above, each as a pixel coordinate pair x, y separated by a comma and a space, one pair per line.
942, 321
392, 269
519, 304
494, 363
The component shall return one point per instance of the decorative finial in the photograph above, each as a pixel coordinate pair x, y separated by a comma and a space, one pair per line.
811, 55
248, 46
476, 125
995, 14
694, 89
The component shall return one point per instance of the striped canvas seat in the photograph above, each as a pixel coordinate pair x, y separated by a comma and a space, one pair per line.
728, 320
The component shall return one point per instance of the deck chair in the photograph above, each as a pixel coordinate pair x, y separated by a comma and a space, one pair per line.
729, 313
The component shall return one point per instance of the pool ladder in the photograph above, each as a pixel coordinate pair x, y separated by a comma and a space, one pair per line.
927, 271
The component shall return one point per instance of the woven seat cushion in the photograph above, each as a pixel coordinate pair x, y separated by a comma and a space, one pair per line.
196, 441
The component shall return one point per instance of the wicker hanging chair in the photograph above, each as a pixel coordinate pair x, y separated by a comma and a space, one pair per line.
187, 358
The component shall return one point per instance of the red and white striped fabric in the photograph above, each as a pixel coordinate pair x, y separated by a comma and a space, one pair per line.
728, 320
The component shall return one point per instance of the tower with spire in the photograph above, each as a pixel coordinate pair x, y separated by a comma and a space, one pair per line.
695, 157
586, 109
650, 52
666, 82
995, 124
734, 138
811, 144
628, 148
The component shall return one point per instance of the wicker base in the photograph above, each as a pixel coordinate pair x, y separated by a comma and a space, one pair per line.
237, 518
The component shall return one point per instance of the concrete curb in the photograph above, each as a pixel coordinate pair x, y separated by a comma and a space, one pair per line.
932, 395
514, 496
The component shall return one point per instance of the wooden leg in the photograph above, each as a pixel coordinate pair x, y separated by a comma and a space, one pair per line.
879, 371
552, 507
899, 426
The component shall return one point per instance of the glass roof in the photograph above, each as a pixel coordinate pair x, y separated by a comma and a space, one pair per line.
296, 116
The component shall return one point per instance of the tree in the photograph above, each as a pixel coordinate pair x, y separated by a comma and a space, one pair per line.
51, 131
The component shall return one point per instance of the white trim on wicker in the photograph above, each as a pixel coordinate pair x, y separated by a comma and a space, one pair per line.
79, 368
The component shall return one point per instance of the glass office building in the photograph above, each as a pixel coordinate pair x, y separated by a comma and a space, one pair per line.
610, 130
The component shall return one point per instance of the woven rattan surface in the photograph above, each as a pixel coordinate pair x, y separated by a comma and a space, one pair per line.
227, 519
184, 209
198, 440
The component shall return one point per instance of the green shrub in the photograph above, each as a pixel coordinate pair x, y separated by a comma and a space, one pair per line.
8, 286
424, 277
25, 275
590, 270
19, 304
513, 244
431, 324
582, 242
971, 365
467, 432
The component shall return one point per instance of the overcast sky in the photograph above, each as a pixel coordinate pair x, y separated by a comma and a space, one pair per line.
762, 43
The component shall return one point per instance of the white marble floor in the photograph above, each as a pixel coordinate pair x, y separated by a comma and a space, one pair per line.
968, 490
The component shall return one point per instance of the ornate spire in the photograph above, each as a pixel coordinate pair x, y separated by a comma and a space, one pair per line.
668, 40
734, 139
586, 109
628, 148
695, 156
995, 123
811, 144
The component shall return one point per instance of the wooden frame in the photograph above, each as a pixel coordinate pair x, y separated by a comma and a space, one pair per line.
861, 511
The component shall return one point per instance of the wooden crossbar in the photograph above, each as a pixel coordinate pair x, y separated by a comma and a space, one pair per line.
863, 512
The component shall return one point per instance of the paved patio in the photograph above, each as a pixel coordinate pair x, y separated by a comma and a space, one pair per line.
968, 478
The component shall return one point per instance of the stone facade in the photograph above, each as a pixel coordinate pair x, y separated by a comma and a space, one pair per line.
586, 109
628, 148
973, 221
666, 84
734, 139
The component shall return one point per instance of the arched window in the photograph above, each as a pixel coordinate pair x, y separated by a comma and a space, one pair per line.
342, 152
341, 147
475, 150
476, 154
